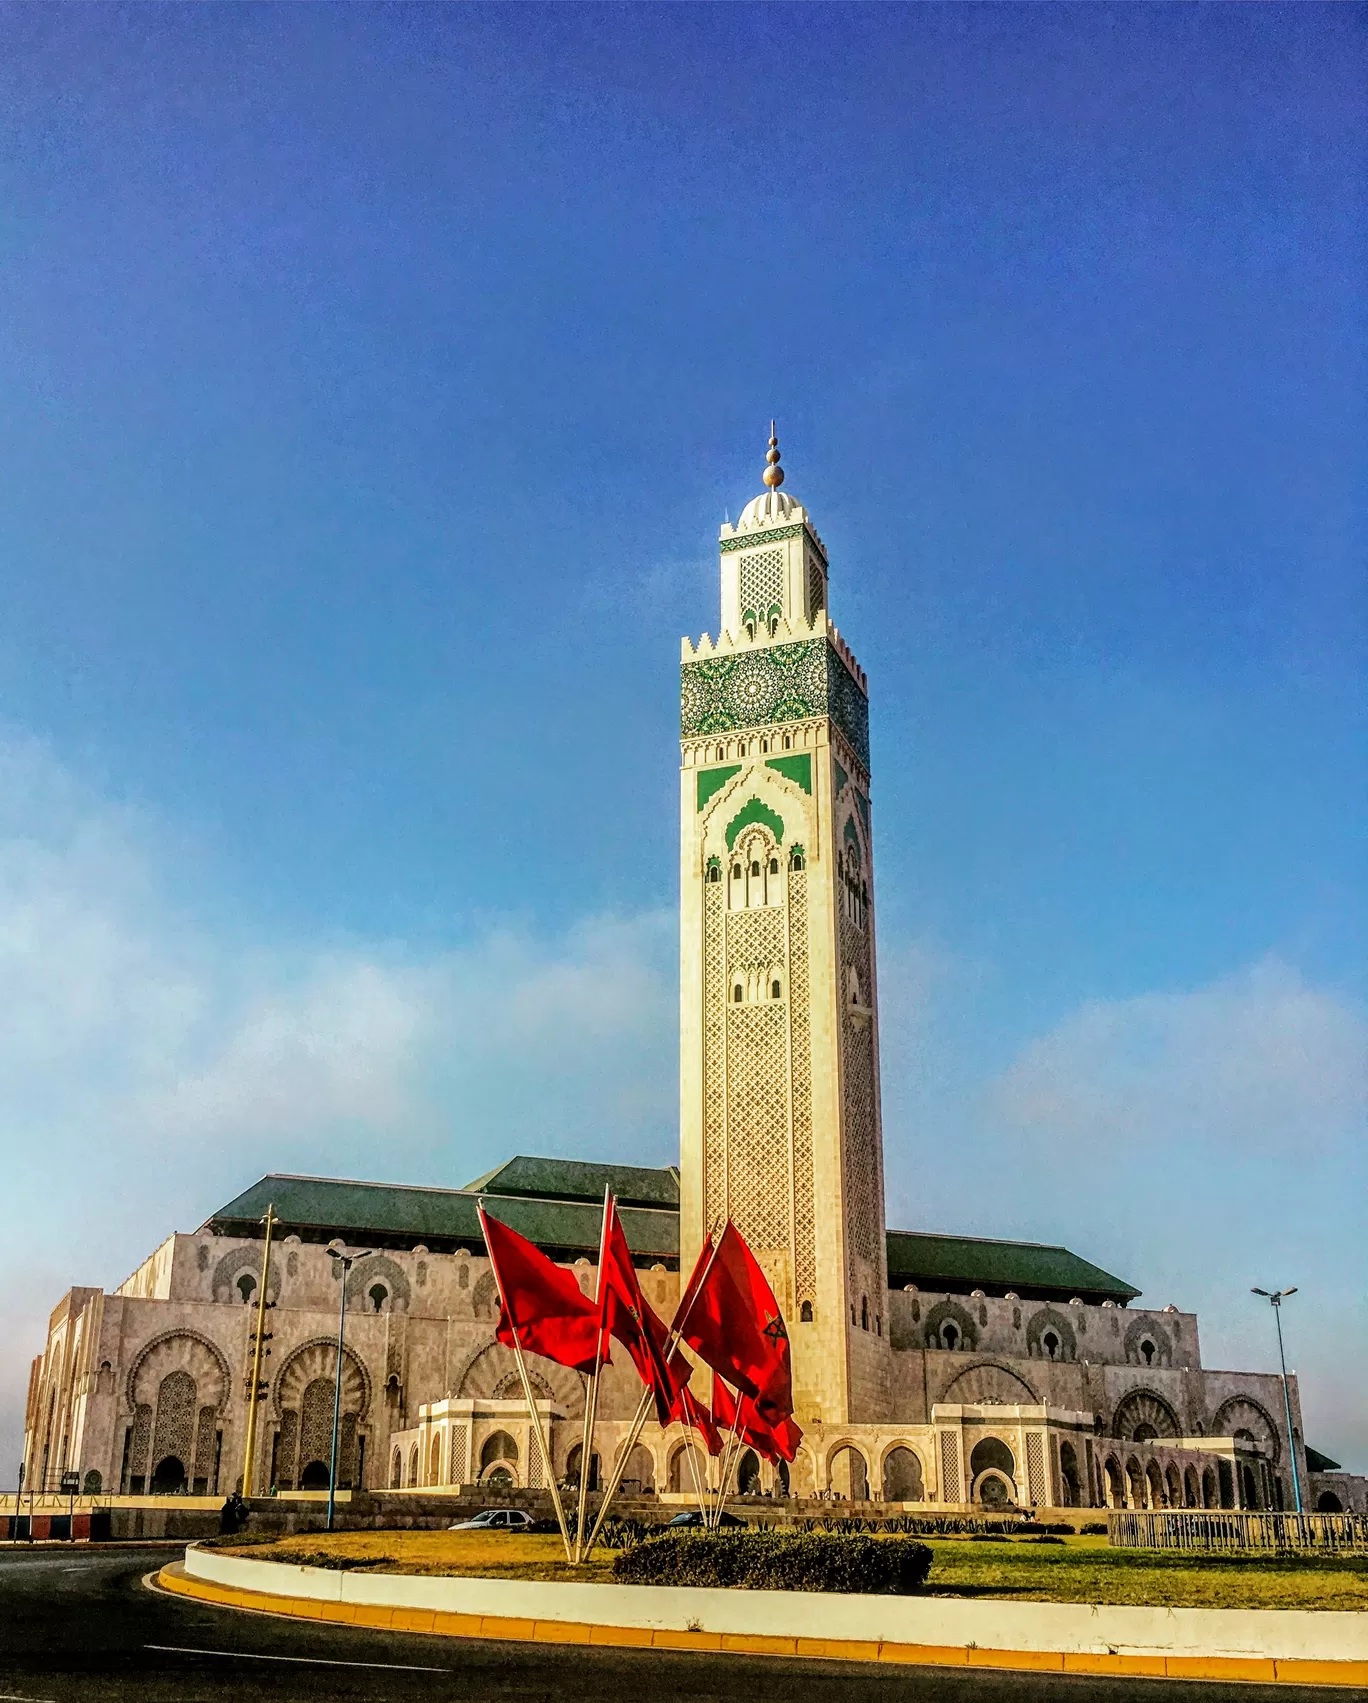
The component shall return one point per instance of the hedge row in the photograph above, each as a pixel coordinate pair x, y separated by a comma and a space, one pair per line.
777, 1561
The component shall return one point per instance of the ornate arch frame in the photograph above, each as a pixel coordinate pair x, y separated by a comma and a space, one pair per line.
367, 1387
171, 1336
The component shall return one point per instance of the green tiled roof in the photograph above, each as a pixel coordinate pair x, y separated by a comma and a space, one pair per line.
573, 1179
1317, 1462
556, 1203
394, 1215
1034, 1270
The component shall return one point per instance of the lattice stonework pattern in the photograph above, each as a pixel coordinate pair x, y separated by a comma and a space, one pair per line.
800, 1028
714, 1055
863, 1167
762, 581
774, 683
1035, 1467
757, 1087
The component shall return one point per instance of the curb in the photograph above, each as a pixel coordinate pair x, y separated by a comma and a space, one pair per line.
1232, 1669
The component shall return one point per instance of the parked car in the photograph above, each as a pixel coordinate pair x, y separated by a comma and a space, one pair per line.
496, 1519
694, 1518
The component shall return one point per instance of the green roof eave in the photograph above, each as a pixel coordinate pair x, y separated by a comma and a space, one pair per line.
577, 1179
394, 1213
946, 1262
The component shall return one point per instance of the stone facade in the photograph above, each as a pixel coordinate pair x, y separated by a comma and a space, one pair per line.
1013, 1374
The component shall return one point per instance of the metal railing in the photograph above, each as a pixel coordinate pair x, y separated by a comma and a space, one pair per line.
1210, 1530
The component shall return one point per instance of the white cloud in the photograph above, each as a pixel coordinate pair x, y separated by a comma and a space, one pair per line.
152, 1065
1201, 1142
1261, 1058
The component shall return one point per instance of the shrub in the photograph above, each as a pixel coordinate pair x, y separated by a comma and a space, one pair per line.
622, 1534
989, 1537
1045, 1537
777, 1561
1095, 1528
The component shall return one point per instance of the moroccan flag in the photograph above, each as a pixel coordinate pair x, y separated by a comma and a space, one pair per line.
729, 1317
693, 1413
626, 1314
776, 1440
540, 1300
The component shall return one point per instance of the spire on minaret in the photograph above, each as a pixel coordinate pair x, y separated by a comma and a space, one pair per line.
774, 473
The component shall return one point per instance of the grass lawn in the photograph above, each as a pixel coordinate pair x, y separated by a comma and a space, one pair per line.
1078, 1570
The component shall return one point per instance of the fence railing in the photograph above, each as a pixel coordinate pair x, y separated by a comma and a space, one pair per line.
1209, 1530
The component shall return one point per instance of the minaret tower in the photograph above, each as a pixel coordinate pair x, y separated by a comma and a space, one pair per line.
779, 1025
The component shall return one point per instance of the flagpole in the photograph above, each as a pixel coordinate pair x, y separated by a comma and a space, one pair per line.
693, 1472
531, 1401
591, 1399
620, 1465
727, 1453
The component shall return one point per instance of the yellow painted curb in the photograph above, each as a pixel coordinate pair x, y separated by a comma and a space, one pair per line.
1265, 1670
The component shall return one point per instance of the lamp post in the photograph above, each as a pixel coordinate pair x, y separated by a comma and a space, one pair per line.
1275, 1300
345, 1262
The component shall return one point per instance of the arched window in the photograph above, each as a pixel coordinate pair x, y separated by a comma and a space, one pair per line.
714, 871
737, 993
246, 1287
378, 1296
1147, 1352
864, 1312
737, 872
776, 990
805, 1313
764, 747
797, 859
788, 741
755, 866
774, 866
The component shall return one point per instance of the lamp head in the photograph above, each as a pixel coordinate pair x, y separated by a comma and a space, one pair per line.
1291, 1291
1262, 1292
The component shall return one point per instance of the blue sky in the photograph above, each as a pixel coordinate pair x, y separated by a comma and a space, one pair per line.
376, 379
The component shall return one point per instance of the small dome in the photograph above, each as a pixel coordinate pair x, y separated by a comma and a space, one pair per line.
771, 509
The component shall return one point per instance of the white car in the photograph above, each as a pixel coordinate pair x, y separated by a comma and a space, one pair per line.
496, 1519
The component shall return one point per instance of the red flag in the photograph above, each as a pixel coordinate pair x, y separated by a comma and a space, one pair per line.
626, 1314
730, 1318
776, 1440
690, 1412
540, 1300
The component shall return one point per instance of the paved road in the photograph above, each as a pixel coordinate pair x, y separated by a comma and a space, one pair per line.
78, 1626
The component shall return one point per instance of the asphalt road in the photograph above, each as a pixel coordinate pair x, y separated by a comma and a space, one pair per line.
79, 1626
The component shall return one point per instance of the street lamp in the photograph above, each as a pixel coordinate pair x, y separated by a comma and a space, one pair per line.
346, 1262
1275, 1300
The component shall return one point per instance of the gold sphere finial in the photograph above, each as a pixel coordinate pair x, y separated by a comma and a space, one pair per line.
774, 473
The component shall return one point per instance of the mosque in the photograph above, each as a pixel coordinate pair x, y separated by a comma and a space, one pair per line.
942, 1371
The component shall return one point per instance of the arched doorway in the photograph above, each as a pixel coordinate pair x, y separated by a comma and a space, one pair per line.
1192, 1490
497, 1456
638, 1474
848, 1473
396, 1470
992, 1467
314, 1476
1210, 1495
169, 1478
1115, 1484
679, 1475
572, 1467
748, 1474
902, 1476
1135, 1483
1154, 1486
1070, 1485
1328, 1503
